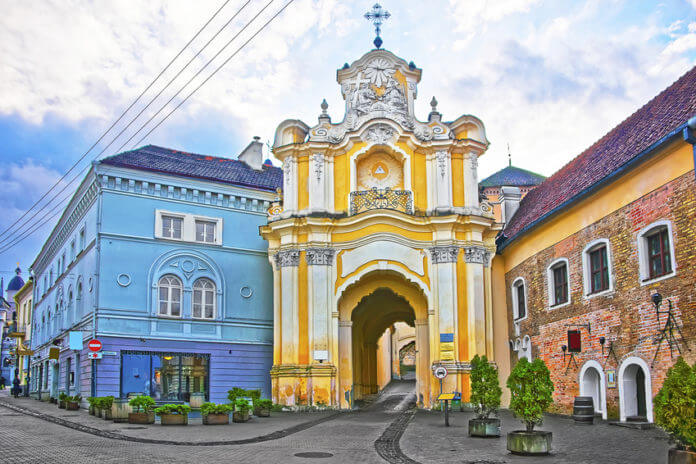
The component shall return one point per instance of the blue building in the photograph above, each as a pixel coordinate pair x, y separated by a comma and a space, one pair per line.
158, 256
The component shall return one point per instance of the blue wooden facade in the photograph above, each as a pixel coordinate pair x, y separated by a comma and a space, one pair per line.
158, 256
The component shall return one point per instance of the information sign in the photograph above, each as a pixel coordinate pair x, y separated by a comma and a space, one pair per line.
94, 355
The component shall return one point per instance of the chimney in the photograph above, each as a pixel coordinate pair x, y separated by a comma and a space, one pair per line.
252, 155
509, 202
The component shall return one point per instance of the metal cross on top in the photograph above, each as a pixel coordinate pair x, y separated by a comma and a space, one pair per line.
377, 15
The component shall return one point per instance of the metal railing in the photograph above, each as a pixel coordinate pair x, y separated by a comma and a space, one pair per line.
365, 200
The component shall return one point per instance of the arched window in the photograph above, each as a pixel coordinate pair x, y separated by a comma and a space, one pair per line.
597, 271
519, 299
71, 305
656, 252
169, 296
78, 299
204, 299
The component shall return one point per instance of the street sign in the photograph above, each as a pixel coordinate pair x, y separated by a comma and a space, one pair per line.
75, 340
109, 353
94, 345
440, 372
94, 355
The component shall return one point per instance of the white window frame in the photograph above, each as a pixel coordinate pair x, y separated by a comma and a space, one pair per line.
162, 217
205, 221
587, 285
188, 231
644, 253
515, 302
552, 284
203, 303
169, 314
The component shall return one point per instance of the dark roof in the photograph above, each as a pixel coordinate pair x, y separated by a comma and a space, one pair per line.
224, 170
512, 176
660, 118
16, 282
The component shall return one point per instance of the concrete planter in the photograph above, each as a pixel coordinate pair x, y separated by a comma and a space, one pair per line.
216, 419
141, 417
262, 412
240, 417
120, 410
485, 428
681, 457
174, 419
73, 406
529, 443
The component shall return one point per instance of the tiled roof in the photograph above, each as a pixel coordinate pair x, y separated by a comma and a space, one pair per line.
512, 176
224, 170
661, 116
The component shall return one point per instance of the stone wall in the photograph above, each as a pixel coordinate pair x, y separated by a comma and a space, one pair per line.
624, 316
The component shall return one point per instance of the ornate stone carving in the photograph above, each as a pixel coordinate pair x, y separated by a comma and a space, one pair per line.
380, 134
318, 164
444, 254
442, 159
475, 254
423, 132
287, 258
320, 256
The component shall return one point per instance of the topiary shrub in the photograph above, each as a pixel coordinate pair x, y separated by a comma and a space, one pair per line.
675, 405
485, 387
142, 403
212, 408
531, 391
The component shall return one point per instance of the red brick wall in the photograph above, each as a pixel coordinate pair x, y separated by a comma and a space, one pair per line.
626, 315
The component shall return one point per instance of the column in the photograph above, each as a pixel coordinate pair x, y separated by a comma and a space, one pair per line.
442, 179
289, 186
470, 164
423, 361
345, 362
320, 261
287, 262
474, 257
444, 259
488, 257
317, 183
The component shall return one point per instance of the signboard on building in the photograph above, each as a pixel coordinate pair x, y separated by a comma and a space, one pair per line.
611, 378
94, 345
53, 352
75, 340
574, 341
446, 347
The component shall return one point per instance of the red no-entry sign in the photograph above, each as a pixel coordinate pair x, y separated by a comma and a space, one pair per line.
94, 345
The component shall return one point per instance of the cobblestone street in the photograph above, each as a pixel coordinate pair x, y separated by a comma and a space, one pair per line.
367, 436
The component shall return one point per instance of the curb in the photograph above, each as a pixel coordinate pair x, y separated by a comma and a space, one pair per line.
116, 436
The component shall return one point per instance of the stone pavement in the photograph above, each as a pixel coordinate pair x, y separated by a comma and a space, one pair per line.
373, 435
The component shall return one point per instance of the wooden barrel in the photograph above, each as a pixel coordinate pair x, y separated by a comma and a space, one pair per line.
583, 410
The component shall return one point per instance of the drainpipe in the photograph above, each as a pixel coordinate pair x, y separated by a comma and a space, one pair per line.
690, 136
96, 276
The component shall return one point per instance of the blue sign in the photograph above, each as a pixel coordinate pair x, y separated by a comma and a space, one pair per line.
446, 337
75, 340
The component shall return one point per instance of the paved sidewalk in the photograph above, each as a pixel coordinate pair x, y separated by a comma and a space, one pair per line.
427, 440
195, 432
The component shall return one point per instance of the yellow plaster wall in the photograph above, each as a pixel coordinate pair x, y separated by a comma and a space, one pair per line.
425, 278
501, 348
419, 182
672, 162
462, 313
303, 349
338, 236
302, 187
457, 179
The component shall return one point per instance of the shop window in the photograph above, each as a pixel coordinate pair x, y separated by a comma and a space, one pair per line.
656, 252
559, 282
204, 299
519, 299
169, 296
597, 267
164, 376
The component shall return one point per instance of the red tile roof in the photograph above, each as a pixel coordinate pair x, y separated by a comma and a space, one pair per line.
661, 116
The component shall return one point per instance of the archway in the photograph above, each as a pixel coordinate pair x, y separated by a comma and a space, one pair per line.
366, 309
635, 391
591, 380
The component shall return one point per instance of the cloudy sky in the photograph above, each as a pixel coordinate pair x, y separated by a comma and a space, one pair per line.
548, 77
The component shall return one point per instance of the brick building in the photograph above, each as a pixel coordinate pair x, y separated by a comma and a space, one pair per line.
584, 253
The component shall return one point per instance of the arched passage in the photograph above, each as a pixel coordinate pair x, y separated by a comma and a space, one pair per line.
366, 309
635, 390
592, 384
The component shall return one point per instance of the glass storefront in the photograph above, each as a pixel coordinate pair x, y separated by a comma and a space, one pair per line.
164, 376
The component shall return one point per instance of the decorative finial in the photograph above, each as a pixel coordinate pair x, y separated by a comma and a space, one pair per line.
433, 103
377, 15
324, 106
509, 156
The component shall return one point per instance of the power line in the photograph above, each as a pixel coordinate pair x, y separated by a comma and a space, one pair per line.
38, 225
84, 155
79, 174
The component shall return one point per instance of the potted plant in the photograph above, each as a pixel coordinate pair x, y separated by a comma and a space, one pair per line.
142, 410
92, 407
241, 410
73, 402
62, 400
215, 414
173, 414
262, 408
98, 406
106, 403
531, 393
485, 396
235, 393
675, 411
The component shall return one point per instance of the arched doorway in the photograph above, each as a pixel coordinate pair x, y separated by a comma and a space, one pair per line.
366, 309
635, 391
591, 380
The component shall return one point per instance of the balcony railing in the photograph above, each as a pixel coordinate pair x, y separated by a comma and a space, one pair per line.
365, 200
